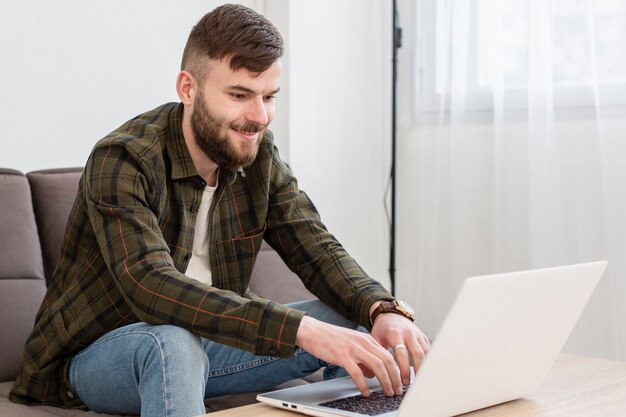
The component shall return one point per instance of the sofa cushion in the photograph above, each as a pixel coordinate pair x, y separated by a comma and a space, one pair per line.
7, 408
20, 253
20, 299
273, 280
22, 283
53, 192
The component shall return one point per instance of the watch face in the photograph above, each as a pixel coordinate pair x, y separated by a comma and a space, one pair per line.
405, 308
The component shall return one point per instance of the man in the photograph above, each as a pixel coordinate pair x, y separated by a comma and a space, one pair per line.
148, 310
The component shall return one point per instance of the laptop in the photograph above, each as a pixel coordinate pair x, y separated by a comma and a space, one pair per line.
497, 343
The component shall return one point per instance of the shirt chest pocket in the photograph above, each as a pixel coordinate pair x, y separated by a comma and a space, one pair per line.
239, 257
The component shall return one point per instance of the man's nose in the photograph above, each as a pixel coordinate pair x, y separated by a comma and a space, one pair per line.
257, 112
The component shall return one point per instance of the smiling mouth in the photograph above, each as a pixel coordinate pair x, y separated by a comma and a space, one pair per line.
250, 136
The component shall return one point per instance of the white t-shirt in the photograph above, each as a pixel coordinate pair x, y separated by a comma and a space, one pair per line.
199, 267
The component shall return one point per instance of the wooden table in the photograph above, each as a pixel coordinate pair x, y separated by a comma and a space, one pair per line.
577, 386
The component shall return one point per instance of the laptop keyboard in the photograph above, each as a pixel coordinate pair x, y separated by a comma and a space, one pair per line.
377, 403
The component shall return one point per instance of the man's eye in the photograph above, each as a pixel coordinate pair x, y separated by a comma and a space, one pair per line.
237, 96
269, 98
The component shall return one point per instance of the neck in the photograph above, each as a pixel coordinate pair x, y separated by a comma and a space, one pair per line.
206, 168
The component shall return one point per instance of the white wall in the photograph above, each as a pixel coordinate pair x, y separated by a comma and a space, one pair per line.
72, 71
339, 68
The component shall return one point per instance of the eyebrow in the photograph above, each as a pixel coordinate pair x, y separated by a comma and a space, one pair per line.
249, 90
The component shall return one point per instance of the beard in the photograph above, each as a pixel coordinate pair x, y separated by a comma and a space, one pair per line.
219, 147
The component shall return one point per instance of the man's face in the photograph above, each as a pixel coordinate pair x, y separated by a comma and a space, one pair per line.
231, 111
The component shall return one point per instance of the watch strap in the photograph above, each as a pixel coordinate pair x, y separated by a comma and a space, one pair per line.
390, 307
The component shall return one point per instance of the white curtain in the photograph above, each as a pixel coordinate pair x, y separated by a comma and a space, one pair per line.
512, 151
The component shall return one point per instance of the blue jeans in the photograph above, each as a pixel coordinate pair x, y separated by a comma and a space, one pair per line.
167, 371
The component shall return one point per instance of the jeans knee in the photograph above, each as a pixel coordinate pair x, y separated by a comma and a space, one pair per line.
176, 350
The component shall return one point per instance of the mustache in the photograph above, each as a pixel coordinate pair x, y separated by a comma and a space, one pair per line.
247, 127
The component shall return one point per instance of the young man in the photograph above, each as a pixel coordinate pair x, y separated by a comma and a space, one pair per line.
148, 310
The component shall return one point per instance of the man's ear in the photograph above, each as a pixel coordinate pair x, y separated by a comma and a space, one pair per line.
186, 87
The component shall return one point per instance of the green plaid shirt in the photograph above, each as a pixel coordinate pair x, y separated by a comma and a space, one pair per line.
129, 239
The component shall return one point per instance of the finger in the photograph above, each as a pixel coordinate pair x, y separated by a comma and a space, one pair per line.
392, 368
401, 353
366, 371
381, 363
417, 354
424, 343
357, 376
394, 372
384, 368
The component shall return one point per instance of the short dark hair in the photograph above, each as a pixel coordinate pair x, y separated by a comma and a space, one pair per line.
234, 32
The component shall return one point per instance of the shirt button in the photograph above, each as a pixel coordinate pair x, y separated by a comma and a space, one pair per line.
273, 351
70, 395
188, 257
194, 208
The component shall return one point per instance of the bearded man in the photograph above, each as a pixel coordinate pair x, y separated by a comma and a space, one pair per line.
148, 311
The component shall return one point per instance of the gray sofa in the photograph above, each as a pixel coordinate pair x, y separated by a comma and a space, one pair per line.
33, 213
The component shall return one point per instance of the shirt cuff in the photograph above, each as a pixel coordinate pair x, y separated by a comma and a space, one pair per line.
364, 298
276, 334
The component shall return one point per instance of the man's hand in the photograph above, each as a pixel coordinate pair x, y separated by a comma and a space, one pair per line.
394, 331
358, 353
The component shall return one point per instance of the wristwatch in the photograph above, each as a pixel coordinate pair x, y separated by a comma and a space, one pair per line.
397, 307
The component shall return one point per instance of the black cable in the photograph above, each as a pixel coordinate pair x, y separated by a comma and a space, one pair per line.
397, 43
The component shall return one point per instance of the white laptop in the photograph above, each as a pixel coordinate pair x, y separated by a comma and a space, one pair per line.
497, 344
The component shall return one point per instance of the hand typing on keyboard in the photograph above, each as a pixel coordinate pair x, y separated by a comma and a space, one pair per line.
408, 343
366, 356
